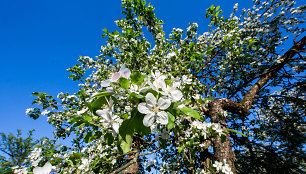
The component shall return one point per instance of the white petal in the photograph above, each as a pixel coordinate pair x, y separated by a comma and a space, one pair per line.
163, 103
163, 77
156, 74
144, 109
149, 119
162, 118
159, 83
176, 95
115, 77
46, 169
109, 89
106, 114
100, 112
144, 89
116, 127
125, 73
176, 83
38, 170
150, 100
105, 83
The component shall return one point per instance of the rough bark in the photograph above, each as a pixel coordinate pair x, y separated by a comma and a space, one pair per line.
224, 151
221, 150
133, 167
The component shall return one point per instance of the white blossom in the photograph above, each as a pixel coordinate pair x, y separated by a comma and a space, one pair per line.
154, 109
46, 169
29, 111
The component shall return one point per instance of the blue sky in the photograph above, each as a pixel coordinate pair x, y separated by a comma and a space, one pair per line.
40, 39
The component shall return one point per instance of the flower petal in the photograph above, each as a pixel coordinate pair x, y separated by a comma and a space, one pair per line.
115, 77
144, 89
46, 169
105, 83
159, 83
116, 127
162, 118
163, 103
106, 114
125, 72
176, 95
150, 100
144, 109
149, 119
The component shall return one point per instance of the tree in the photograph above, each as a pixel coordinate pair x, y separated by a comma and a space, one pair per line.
231, 100
20, 153
15, 150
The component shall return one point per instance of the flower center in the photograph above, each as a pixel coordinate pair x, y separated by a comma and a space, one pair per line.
155, 109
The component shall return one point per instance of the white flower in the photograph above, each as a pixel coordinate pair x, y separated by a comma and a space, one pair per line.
106, 83
123, 72
45, 112
35, 153
218, 165
82, 111
186, 80
85, 164
158, 75
29, 110
152, 110
46, 169
197, 97
172, 91
107, 115
158, 83
172, 54
141, 88
217, 128
20, 170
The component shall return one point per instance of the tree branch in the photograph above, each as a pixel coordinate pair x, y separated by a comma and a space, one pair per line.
134, 160
248, 98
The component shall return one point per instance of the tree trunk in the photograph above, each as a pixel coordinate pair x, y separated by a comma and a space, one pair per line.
222, 150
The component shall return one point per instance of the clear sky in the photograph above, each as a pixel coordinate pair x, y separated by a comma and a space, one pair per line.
40, 39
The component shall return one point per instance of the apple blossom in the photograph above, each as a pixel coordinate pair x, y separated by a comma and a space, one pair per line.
46, 169
154, 109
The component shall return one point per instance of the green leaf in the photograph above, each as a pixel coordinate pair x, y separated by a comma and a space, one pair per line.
125, 145
109, 139
105, 30
98, 135
139, 96
124, 83
88, 137
181, 148
75, 156
74, 119
191, 113
168, 81
138, 123
126, 132
99, 102
88, 118
217, 8
170, 124
231, 130
102, 94
137, 78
